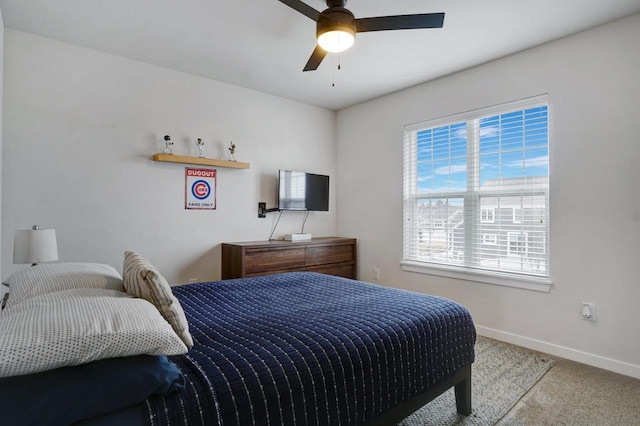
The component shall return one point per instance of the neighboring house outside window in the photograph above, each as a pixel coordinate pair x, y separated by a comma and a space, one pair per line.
480, 180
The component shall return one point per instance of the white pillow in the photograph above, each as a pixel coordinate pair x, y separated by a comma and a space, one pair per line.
73, 327
50, 277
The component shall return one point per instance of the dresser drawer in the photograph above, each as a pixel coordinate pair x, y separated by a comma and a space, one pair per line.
321, 255
346, 270
261, 260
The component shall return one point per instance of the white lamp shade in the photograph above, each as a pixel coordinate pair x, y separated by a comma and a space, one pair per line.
35, 246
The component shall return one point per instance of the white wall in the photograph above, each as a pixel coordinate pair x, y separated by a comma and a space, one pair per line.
593, 82
81, 127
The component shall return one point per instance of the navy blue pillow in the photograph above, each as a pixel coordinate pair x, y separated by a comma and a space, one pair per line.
67, 395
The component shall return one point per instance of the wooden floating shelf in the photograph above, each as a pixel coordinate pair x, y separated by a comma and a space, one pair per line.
172, 158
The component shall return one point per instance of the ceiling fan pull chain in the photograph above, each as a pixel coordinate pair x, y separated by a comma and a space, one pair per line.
333, 74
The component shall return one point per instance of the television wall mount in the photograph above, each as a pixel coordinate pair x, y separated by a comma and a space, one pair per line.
263, 210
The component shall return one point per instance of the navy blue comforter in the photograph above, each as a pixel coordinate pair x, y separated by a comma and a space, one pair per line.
308, 349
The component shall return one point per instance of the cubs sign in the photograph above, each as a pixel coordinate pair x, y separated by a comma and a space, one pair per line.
200, 189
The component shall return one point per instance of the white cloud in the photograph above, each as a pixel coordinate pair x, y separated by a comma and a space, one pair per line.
449, 170
484, 132
542, 161
489, 131
461, 133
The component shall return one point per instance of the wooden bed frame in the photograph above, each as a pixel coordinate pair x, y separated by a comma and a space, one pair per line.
462, 383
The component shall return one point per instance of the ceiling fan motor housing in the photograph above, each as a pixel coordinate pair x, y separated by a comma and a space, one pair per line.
336, 19
336, 3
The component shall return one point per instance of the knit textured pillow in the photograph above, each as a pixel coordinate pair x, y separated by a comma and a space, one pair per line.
81, 325
50, 277
142, 279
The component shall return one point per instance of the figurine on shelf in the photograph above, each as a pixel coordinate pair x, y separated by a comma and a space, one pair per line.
232, 151
167, 145
199, 145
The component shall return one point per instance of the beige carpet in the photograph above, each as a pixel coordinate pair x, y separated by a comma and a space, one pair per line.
574, 394
500, 376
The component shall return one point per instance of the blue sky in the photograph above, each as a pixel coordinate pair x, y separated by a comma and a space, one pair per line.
514, 144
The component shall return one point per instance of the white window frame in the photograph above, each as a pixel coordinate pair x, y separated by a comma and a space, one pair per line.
487, 215
506, 278
517, 219
490, 239
510, 239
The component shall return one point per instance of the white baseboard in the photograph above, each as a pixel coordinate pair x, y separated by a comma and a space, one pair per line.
561, 351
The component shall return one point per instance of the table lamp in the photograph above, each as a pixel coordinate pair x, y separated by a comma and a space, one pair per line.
34, 245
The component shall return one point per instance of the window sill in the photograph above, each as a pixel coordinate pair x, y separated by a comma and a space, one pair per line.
526, 283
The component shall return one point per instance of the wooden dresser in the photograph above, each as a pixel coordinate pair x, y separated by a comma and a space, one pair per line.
330, 255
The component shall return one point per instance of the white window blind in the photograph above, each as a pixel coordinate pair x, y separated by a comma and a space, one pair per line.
476, 191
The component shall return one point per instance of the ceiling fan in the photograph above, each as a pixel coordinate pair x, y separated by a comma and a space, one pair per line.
337, 27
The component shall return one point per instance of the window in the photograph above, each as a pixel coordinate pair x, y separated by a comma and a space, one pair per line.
484, 177
486, 215
517, 215
490, 239
517, 243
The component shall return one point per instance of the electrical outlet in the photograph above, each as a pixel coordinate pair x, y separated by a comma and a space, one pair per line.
588, 311
193, 280
376, 274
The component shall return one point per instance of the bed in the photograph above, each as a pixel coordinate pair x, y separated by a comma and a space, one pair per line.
306, 348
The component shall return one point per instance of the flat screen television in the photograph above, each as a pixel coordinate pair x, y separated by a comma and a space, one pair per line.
303, 191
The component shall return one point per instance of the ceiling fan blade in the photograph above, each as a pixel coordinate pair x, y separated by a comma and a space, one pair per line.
399, 22
316, 58
303, 8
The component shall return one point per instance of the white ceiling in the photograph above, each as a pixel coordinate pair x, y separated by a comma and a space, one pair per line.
264, 44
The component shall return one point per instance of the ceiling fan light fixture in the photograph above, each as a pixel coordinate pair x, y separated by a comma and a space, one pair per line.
336, 32
336, 41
